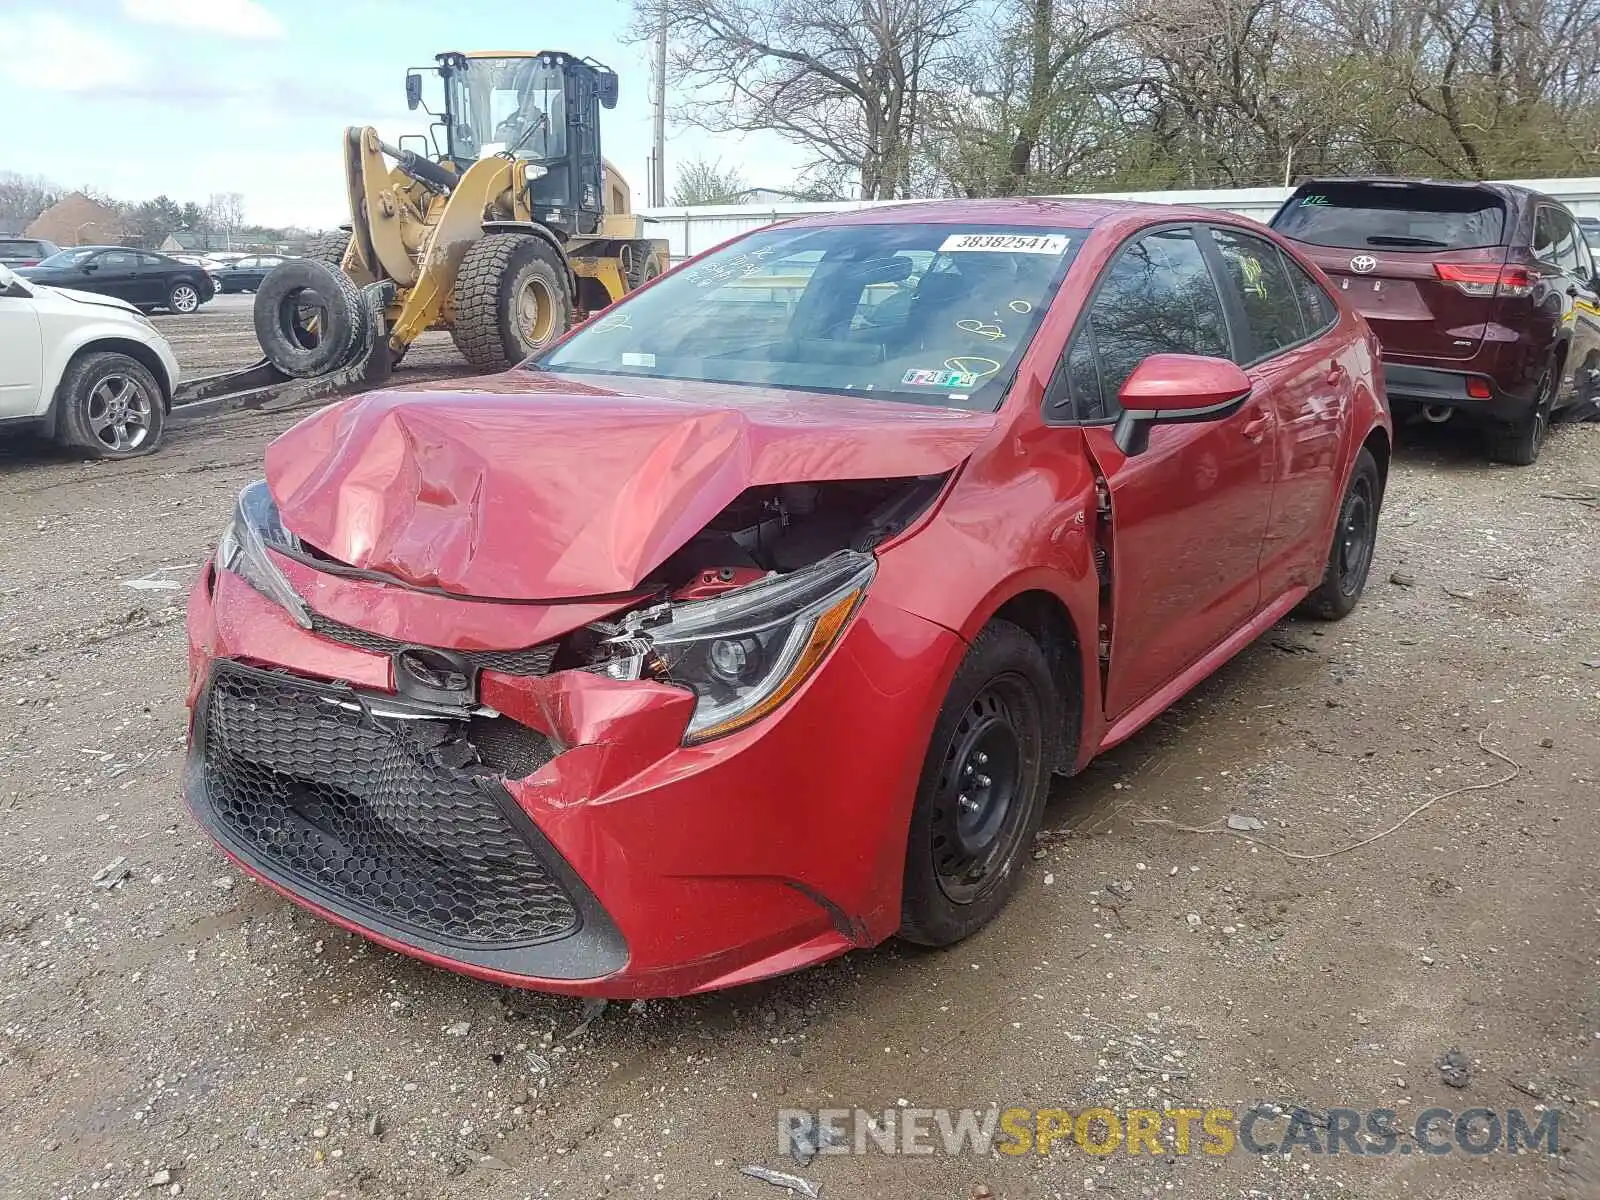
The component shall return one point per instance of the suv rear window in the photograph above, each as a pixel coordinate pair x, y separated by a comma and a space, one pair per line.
1404, 217
19, 246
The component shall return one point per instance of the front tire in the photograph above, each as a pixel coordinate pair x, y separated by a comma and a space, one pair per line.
982, 790
111, 407
512, 299
1355, 538
184, 298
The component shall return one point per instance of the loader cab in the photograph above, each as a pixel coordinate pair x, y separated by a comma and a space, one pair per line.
542, 109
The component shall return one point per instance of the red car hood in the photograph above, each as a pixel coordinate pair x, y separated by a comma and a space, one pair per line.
531, 487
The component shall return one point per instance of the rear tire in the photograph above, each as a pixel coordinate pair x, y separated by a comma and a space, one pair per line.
1355, 538
512, 299
1519, 444
309, 318
111, 407
183, 298
982, 790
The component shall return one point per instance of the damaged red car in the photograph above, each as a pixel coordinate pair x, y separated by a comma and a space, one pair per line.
749, 623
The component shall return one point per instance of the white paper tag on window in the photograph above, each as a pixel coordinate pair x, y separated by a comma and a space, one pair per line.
1006, 243
632, 358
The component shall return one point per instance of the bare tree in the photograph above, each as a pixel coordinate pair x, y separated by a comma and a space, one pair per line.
842, 78
225, 212
703, 181
1035, 106
24, 197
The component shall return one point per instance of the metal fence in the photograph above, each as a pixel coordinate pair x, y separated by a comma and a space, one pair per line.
690, 231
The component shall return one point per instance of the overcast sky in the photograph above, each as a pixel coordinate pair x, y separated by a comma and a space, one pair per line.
191, 97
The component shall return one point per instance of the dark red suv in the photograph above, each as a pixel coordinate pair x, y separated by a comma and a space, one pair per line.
1484, 296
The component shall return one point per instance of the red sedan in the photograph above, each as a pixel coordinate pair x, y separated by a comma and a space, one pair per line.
748, 624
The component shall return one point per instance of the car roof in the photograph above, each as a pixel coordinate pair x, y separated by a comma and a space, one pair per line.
1049, 212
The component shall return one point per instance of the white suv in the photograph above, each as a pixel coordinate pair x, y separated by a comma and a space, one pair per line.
89, 371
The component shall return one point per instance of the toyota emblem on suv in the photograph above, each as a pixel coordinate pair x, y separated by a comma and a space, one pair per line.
1362, 264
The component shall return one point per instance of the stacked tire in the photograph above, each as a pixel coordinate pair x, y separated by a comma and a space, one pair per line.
310, 318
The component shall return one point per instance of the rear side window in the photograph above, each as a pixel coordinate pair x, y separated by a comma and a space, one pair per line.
1402, 217
1317, 308
1272, 312
1555, 240
15, 246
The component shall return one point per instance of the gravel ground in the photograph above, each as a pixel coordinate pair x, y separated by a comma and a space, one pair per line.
187, 1031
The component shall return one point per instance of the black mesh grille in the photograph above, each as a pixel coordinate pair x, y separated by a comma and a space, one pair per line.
534, 660
384, 815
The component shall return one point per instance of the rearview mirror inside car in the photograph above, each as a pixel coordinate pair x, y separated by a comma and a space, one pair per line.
1170, 389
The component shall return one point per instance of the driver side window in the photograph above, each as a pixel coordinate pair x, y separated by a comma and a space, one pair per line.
1156, 297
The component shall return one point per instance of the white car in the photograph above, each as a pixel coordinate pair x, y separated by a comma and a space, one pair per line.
89, 371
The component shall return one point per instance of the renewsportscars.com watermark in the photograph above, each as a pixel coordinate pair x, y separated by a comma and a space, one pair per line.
1261, 1129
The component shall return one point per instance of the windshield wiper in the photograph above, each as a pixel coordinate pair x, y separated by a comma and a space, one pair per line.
1402, 239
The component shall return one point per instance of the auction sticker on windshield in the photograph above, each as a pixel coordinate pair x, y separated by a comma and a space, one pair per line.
1006, 243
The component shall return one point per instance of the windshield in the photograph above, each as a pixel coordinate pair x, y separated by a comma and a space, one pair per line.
930, 314
67, 258
1402, 217
508, 106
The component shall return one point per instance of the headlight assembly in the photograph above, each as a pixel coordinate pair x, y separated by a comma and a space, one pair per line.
744, 653
242, 549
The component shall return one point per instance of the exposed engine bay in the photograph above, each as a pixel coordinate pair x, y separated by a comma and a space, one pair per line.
740, 615
792, 525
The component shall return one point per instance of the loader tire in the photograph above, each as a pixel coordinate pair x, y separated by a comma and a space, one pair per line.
643, 267
512, 299
329, 248
309, 318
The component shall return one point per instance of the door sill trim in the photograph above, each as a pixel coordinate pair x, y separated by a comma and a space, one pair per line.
1163, 698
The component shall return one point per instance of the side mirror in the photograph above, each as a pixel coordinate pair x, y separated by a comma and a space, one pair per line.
89, 267
1172, 389
608, 89
11, 285
413, 90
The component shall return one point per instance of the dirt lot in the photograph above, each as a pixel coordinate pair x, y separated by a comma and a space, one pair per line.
188, 1028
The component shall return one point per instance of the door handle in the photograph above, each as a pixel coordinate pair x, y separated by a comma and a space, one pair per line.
1336, 374
1256, 427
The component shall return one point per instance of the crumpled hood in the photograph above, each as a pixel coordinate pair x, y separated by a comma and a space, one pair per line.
532, 487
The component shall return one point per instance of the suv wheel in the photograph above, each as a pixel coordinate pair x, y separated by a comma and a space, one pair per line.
1519, 443
111, 407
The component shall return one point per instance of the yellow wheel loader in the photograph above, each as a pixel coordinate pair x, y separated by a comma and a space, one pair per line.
503, 231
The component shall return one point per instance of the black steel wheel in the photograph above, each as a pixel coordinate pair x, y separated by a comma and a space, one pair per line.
982, 790
1355, 539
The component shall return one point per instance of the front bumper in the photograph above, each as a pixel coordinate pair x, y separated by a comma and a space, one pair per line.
590, 852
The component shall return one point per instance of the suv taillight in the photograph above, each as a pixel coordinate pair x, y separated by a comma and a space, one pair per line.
1486, 280
29, 262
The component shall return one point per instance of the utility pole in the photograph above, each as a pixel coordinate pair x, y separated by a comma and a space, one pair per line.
658, 100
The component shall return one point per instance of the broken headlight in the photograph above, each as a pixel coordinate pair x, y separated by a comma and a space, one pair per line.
242, 549
744, 653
